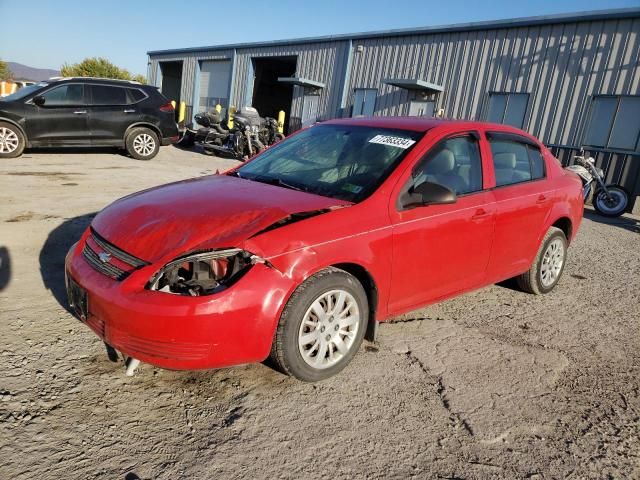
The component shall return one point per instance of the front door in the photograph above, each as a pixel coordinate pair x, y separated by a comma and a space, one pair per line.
61, 119
439, 250
111, 111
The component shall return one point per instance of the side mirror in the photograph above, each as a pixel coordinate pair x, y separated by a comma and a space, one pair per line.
427, 193
38, 100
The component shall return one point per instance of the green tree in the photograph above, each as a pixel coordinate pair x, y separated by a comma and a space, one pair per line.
98, 67
5, 73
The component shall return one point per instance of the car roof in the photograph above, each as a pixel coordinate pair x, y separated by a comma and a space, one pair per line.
113, 81
423, 124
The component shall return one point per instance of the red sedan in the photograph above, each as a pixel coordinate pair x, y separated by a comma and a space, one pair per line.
301, 252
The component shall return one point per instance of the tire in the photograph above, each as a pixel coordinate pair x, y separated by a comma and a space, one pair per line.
142, 143
188, 140
257, 147
617, 207
12, 141
301, 331
548, 265
279, 137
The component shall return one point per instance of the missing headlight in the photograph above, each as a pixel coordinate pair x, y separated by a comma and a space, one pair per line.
203, 273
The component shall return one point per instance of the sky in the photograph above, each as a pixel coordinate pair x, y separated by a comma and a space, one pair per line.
49, 33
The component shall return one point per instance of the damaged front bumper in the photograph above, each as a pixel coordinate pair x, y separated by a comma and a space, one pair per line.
232, 327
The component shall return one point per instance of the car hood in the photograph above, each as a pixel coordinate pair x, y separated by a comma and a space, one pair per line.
215, 211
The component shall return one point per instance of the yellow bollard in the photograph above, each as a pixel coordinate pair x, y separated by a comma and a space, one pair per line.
281, 121
218, 108
173, 104
232, 111
183, 110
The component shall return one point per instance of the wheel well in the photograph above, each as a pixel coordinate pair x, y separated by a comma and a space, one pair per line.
6, 120
564, 224
369, 285
145, 125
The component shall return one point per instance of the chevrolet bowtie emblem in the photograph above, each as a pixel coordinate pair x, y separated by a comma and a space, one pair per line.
104, 257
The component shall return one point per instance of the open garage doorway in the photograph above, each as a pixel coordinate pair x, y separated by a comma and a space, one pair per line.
269, 95
171, 80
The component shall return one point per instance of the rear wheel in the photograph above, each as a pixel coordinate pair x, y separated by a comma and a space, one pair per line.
321, 327
12, 141
142, 143
548, 266
612, 205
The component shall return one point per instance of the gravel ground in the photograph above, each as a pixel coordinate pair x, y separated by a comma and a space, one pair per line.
494, 384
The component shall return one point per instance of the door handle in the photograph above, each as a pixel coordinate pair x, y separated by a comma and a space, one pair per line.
480, 214
79, 112
541, 199
129, 110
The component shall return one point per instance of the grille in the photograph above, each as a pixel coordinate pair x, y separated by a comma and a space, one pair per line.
119, 265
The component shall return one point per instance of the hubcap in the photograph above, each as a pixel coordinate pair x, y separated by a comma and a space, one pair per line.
552, 262
8, 140
144, 144
329, 329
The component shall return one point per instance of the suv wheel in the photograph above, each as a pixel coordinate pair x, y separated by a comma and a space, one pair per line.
321, 327
12, 141
142, 143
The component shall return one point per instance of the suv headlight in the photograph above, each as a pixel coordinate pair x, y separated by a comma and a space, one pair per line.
203, 273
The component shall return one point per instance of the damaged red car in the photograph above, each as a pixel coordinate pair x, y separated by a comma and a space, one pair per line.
298, 254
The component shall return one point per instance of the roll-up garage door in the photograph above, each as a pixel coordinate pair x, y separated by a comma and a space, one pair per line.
214, 84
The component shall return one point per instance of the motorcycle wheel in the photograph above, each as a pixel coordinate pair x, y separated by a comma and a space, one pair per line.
257, 147
613, 207
187, 140
279, 137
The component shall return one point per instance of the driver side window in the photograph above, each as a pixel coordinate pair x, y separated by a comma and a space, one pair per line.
64, 96
454, 163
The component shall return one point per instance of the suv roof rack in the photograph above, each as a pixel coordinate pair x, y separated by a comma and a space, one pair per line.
97, 78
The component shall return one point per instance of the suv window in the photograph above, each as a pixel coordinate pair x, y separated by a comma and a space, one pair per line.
454, 163
107, 95
136, 95
64, 95
516, 162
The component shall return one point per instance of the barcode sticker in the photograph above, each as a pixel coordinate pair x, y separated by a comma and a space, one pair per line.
392, 141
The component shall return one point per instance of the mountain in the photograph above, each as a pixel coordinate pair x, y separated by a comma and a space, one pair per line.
23, 72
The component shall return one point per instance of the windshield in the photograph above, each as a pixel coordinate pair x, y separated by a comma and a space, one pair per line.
341, 161
25, 91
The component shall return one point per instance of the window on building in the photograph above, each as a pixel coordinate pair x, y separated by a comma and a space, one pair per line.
508, 108
105, 95
65, 95
514, 161
364, 102
614, 122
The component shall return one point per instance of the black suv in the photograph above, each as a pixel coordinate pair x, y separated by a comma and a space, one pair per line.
87, 112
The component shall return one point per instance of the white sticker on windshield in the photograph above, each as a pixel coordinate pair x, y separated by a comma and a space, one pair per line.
392, 141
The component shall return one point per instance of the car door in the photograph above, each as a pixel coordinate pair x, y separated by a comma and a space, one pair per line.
58, 116
523, 202
111, 111
439, 250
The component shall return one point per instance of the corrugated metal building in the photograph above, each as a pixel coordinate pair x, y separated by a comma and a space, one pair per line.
571, 80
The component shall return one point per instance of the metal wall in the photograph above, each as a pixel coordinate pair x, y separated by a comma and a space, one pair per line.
560, 64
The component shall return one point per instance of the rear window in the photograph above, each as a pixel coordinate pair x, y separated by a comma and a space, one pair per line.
108, 95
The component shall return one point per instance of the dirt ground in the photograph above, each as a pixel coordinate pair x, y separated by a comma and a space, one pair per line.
494, 384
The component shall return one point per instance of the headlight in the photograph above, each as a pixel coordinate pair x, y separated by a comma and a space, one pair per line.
203, 273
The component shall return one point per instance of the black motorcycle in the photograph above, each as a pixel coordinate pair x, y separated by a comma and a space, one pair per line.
269, 133
212, 130
244, 140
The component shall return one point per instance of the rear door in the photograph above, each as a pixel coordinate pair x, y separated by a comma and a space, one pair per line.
439, 250
111, 110
523, 202
62, 119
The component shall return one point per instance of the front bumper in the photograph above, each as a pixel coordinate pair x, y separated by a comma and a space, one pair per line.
177, 332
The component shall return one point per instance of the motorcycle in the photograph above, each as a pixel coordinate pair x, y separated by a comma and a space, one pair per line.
212, 130
608, 200
269, 133
244, 141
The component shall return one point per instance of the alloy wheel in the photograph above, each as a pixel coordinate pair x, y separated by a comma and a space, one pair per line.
144, 144
8, 140
552, 262
329, 329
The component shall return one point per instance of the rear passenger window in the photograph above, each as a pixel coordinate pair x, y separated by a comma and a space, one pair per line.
454, 163
136, 95
516, 162
105, 95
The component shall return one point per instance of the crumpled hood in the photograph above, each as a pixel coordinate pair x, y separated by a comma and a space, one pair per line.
208, 212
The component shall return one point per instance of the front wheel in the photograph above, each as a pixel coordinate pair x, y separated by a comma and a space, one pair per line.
548, 265
321, 327
612, 205
12, 141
